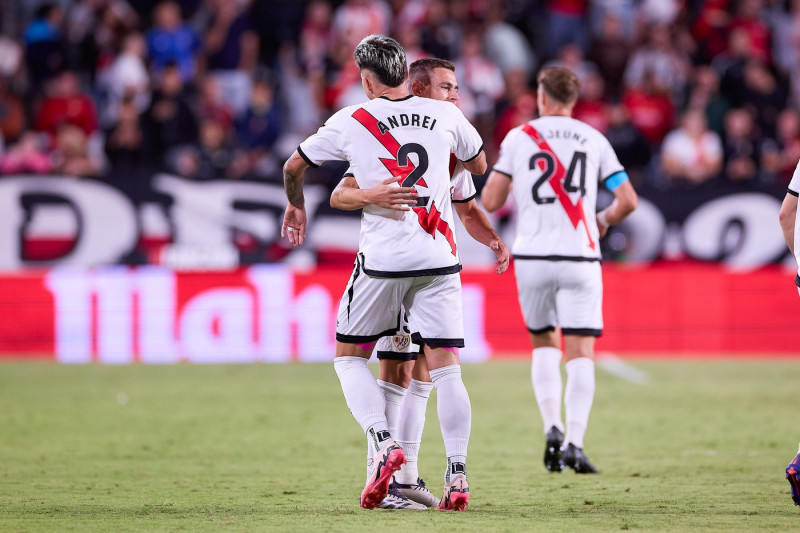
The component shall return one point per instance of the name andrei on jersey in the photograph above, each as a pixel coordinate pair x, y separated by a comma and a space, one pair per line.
564, 134
418, 121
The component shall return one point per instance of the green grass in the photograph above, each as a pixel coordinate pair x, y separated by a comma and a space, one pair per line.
252, 448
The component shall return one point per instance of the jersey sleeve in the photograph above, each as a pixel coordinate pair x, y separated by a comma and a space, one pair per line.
467, 144
612, 173
463, 186
505, 162
794, 185
328, 143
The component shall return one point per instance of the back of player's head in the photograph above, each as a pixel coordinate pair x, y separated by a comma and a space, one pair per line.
384, 57
560, 84
421, 69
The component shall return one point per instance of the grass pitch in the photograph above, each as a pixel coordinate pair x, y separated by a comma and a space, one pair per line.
702, 445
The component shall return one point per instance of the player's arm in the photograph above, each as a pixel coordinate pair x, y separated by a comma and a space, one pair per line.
477, 165
495, 192
787, 217
625, 201
347, 196
294, 219
480, 229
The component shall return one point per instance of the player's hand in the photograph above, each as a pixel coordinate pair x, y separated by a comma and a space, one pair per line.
390, 196
793, 475
501, 252
294, 224
602, 225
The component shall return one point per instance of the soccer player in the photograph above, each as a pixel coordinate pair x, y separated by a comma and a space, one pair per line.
555, 163
407, 385
788, 220
405, 258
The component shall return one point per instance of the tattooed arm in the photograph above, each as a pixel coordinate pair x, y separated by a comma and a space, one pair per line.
294, 219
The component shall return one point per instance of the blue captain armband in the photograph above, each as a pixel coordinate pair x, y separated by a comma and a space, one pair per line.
615, 180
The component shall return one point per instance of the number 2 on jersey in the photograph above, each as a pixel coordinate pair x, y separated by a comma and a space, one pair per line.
544, 161
422, 166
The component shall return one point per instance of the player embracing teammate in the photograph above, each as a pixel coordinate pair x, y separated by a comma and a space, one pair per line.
406, 259
556, 163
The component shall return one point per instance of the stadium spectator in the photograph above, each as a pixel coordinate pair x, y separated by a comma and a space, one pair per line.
571, 57
704, 94
316, 37
172, 42
481, 82
441, 34
65, 103
231, 48
743, 148
505, 44
650, 109
128, 78
355, 19
411, 41
258, 128
26, 156
730, 66
566, 24
169, 122
213, 103
214, 154
125, 145
71, 156
660, 59
692, 154
590, 107
610, 52
710, 28
747, 18
44, 55
763, 94
518, 106
631, 147
12, 113
787, 144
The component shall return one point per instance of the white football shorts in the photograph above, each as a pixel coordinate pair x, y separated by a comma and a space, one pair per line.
398, 347
369, 308
568, 294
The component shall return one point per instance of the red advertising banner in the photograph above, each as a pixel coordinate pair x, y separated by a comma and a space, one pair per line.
122, 315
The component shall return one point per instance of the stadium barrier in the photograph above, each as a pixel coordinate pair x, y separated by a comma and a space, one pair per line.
48, 221
269, 313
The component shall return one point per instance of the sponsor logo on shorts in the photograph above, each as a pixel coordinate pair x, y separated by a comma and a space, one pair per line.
401, 342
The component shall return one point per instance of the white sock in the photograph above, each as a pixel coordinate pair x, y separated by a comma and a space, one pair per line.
578, 398
393, 397
546, 379
364, 398
455, 411
409, 431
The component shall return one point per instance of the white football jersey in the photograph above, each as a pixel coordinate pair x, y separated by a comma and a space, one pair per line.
794, 189
411, 138
462, 188
556, 163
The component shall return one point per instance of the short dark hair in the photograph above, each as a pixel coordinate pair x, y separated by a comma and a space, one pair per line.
384, 57
420, 70
560, 83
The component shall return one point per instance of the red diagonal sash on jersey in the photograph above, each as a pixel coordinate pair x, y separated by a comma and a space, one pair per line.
575, 211
430, 221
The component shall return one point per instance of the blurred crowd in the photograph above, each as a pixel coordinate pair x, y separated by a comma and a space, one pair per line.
691, 94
